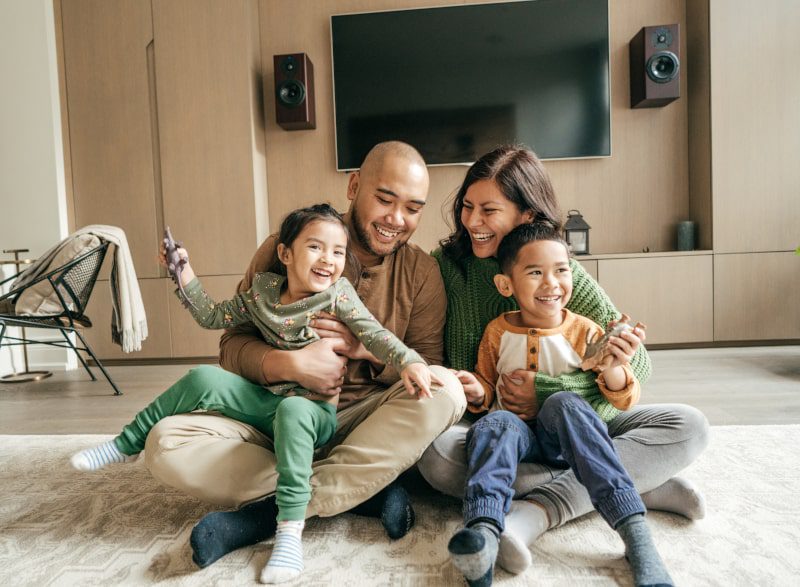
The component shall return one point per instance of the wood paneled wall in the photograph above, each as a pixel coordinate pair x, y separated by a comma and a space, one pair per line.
756, 125
632, 199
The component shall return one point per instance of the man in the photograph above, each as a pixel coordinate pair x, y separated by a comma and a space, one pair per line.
382, 430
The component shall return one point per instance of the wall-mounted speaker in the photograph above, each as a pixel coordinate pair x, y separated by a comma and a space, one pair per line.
655, 66
294, 92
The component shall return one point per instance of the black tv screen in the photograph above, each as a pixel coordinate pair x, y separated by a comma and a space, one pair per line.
456, 81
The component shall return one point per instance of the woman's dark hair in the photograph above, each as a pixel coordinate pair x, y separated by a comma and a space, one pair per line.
522, 235
521, 177
296, 221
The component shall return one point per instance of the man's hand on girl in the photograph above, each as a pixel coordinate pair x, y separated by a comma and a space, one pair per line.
329, 326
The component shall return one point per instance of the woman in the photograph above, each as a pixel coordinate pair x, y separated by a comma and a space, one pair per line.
503, 189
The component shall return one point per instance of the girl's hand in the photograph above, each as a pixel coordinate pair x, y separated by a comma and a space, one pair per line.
517, 393
473, 390
418, 378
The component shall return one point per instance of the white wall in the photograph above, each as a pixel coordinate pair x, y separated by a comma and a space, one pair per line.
32, 192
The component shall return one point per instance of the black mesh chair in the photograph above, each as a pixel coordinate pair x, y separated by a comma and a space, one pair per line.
73, 283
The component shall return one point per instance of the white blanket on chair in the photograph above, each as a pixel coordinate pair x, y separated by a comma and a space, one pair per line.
129, 322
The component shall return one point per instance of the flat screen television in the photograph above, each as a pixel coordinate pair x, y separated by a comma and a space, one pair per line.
458, 80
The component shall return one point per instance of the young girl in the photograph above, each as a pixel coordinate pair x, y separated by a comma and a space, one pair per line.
304, 279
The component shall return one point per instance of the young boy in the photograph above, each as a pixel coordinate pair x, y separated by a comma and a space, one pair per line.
568, 430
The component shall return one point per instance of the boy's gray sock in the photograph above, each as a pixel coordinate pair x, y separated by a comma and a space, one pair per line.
525, 522
679, 496
473, 551
648, 568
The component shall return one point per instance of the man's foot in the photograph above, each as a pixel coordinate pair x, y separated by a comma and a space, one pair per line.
219, 533
648, 568
286, 561
97, 457
679, 496
393, 506
525, 522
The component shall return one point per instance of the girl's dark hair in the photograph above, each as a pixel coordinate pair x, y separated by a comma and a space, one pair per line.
521, 177
522, 235
296, 221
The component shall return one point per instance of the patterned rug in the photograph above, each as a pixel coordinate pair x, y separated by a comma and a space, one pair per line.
120, 527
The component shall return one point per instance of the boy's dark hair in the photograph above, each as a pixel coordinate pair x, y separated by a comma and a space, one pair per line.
521, 236
294, 223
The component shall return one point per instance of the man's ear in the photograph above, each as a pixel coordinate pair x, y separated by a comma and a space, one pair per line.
528, 216
352, 185
503, 285
284, 254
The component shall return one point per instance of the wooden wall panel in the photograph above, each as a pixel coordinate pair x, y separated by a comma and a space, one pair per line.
188, 338
755, 296
154, 297
590, 266
698, 66
632, 199
108, 104
206, 72
672, 295
756, 124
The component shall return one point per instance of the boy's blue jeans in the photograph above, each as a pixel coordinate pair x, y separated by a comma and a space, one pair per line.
566, 433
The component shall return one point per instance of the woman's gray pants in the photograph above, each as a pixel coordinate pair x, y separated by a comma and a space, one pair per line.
655, 442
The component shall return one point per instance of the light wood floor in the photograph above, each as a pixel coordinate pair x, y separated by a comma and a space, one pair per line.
752, 385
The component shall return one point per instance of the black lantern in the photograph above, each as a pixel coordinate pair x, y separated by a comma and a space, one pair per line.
577, 232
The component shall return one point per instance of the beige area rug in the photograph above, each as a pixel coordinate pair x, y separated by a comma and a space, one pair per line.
120, 527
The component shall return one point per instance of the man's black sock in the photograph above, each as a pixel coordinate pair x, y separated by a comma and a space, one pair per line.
393, 506
219, 533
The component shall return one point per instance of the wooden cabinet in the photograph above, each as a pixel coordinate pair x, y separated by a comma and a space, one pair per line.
154, 296
755, 296
165, 118
673, 295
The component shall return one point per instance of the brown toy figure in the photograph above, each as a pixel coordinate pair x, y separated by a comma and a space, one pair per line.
597, 352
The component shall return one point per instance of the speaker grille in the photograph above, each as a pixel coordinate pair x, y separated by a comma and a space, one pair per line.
662, 67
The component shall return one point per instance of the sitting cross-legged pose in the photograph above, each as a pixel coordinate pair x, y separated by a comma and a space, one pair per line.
305, 278
507, 187
381, 430
567, 429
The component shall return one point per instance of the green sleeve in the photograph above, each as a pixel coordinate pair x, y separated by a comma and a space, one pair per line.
378, 340
582, 383
590, 300
215, 315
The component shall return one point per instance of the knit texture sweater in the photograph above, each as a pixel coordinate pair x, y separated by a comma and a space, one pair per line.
473, 301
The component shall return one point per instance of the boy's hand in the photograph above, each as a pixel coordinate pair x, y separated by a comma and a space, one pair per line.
622, 348
473, 390
417, 378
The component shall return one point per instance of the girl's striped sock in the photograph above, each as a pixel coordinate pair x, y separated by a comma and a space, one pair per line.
97, 457
286, 561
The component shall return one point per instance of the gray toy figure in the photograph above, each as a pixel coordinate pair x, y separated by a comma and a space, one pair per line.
175, 264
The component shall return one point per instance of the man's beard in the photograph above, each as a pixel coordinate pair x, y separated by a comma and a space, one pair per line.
362, 236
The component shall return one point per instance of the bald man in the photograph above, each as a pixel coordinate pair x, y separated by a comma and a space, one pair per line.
382, 430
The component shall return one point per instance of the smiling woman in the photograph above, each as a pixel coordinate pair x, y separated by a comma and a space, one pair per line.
505, 188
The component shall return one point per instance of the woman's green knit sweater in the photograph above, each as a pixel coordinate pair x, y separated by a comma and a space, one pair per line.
473, 301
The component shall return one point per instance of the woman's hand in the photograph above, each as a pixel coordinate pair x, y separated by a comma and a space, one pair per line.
473, 390
329, 326
517, 393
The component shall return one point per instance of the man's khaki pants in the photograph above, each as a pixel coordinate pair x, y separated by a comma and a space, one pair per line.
229, 463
